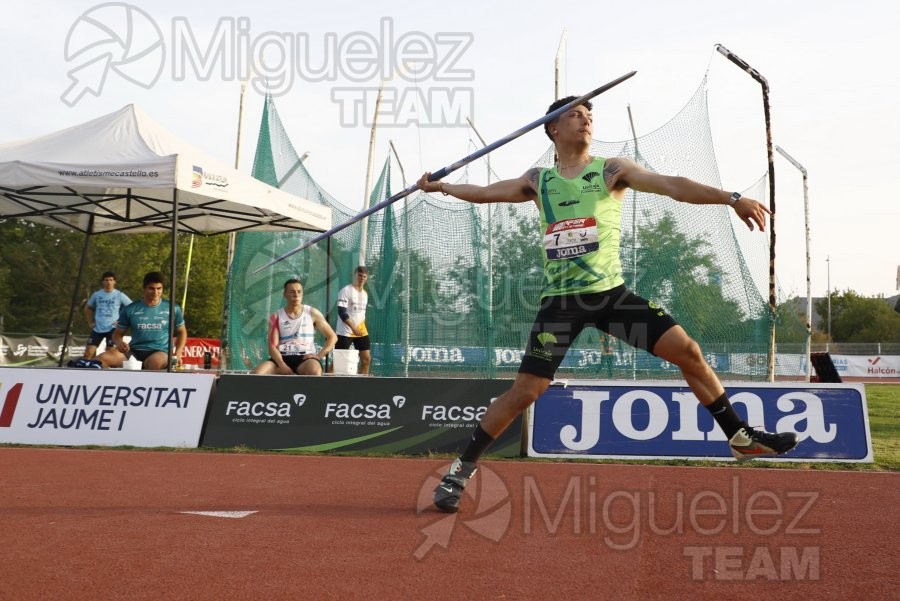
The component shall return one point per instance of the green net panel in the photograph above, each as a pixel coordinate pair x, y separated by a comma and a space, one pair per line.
454, 287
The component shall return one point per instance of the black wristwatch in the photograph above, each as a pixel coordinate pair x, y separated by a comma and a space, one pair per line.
735, 196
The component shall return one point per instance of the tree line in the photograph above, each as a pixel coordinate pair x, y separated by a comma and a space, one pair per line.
39, 267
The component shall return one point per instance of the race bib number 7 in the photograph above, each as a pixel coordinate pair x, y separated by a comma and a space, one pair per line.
571, 238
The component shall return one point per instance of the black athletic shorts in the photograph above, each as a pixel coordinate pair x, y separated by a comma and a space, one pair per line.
360, 343
618, 312
97, 337
294, 361
142, 354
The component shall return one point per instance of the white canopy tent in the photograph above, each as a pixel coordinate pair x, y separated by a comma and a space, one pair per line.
124, 173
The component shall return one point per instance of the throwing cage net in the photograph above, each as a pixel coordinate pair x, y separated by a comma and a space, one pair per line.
454, 287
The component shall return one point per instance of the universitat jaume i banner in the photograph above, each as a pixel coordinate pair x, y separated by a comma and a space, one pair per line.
102, 407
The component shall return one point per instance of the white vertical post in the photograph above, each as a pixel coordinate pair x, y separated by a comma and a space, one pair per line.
406, 292
558, 64
364, 226
483, 144
229, 253
237, 163
802, 170
634, 240
490, 259
828, 260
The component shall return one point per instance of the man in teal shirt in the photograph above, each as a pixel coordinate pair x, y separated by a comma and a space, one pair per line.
148, 321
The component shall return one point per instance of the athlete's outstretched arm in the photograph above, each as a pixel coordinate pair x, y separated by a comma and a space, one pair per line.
520, 189
622, 173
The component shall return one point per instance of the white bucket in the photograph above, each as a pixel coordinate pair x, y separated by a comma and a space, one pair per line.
345, 361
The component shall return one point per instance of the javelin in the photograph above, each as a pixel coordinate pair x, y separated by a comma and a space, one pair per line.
443, 172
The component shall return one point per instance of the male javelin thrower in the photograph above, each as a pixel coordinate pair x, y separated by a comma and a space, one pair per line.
580, 205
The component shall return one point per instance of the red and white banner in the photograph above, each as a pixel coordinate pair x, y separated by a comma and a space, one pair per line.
195, 351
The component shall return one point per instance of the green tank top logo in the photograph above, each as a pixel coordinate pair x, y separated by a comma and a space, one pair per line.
582, 227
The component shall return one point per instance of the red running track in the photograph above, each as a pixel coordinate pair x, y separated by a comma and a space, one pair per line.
108, 524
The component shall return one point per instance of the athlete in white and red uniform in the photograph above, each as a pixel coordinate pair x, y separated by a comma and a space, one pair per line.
292, 347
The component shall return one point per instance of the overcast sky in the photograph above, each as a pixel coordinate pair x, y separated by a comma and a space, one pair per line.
829, 64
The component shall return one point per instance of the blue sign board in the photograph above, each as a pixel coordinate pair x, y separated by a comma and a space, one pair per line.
654, 420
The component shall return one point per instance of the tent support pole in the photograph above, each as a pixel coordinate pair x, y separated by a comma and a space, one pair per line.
174, 274
328, 316
84, 249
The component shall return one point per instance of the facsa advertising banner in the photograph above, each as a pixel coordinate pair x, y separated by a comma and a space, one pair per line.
102, 407
335, 413
653, 420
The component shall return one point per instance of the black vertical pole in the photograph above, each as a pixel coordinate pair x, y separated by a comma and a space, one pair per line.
84, 249
771, 158
328, 293
174, 273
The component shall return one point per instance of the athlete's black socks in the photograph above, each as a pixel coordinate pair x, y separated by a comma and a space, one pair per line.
721, 409
725, 415
479, 443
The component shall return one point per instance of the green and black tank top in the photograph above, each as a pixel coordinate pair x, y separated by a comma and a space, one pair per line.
581, 225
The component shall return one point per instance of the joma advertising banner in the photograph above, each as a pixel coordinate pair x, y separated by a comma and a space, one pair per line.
102, 407
334, 413
648, 420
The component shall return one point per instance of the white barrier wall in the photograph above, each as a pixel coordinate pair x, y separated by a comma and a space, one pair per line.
102, 407
850, 366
